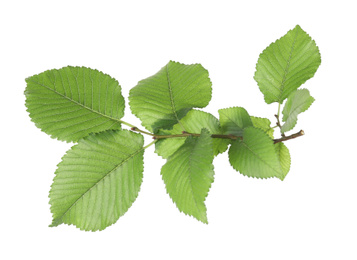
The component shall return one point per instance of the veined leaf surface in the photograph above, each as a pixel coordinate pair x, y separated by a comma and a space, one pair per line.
98, 180
193, 122
161, 100
233, 120
255, 155
188, 175
286, 64
264, 124
284, 157
71, 102
298, 102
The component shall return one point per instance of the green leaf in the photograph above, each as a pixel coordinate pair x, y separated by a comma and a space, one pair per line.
286, 64
264, 124
255, 155
188, 175
284, 157
298, 102
161, 100
193, 122
98, 180
233, 120
71, 102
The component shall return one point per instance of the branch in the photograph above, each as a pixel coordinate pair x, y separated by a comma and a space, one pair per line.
285, 138
278, 123
232, 137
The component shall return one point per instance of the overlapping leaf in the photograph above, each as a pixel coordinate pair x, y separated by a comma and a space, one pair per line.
264, 124
193, 122
161, 100
255, 155
286, 64
298, 102
98, 180
233, 120
71, 102
284, 157
188, 175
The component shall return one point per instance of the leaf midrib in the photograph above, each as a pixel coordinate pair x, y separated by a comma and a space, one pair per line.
173, 108
76, 102
193, 151
286, 70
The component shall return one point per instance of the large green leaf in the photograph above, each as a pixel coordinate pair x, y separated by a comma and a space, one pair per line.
264, 124
161, 100
284, 157
233, 120
188, 175
298, 102
255, 155
193, 122
98, 180
286, 64
71, 102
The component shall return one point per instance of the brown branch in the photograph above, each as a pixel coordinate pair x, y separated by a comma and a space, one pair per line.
285, 138
232, 137
279, 125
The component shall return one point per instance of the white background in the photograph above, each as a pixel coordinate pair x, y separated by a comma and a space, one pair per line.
310, 215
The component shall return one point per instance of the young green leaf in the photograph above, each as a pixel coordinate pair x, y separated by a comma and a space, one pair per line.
298, 102
188, 175
286, 64
193, 122
264, 124
161, 100
255, 155
233, 120
98, 180
284, 157
71, 102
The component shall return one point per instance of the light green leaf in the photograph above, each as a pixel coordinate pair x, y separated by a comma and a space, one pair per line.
298, 102
286, 64
98, 180
284, 157
161, 100
255, 155
264, 124
71, 102
188, 175
233, 120
193, 122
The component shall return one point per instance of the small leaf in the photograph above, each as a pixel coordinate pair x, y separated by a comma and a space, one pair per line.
284, 157
71, 102
188, 175
255, 155
286, 64
298, 102
193, 122
161, 100
98, 180
233, 120
264, 124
